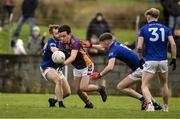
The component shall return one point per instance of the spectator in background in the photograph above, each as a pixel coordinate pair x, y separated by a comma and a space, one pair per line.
165, 12
18, 47
36, 42
97, 26
28, 11
173, 8
7, 9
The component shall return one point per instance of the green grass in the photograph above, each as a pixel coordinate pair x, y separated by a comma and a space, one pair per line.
36, 106
122, 35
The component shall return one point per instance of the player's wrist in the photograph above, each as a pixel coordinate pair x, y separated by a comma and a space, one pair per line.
91, 45
100, 75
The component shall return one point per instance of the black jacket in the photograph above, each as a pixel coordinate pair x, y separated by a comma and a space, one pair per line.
97, 28
172, 6
29, 7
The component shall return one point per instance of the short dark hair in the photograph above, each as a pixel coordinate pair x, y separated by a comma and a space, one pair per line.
99, 14
65, 28
106, 36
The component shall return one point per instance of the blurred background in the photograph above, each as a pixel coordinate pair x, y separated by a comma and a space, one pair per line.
20, 67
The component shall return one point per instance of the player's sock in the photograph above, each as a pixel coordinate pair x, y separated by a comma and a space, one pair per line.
143, 104
103, 94
142, 98
165, 108
89, 105
61, 104
156, 106
52, 102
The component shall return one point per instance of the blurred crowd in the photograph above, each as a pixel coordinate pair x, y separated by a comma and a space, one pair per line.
97, 26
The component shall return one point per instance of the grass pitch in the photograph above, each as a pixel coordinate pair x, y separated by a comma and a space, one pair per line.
36, 106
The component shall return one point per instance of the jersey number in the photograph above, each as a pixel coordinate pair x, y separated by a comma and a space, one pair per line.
156, 35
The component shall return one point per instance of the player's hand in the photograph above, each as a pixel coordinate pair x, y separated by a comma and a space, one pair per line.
173, 63
141, 62
95, 75
86, 44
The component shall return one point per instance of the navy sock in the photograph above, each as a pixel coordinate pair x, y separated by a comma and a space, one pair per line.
141, 98
60, 103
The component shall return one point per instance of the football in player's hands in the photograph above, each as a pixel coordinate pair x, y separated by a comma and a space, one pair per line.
86, 44
95, 75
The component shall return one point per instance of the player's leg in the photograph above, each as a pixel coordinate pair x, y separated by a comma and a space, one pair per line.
53, 75
146, 77
83, 95
164, 87
87, 87
163, 76
124, 87
66, 88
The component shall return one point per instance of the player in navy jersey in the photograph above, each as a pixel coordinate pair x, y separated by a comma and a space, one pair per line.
155, 36
52, 71
82, 63
116, 50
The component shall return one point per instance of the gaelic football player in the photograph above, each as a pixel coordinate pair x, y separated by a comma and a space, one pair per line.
116, 50
52, 71
155, 37
83, 65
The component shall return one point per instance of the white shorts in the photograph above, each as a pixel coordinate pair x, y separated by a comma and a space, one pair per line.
156, 66
83, 72
136, 75
50, 68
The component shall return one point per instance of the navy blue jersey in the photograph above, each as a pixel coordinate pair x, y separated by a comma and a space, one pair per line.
47, 58
155, 39
121, 52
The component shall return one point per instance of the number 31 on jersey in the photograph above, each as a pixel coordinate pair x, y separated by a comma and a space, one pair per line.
156, 35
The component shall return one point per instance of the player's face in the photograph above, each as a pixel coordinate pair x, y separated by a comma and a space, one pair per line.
64, 37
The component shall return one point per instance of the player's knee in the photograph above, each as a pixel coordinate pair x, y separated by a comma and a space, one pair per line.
119, 87
83, 88
58, 81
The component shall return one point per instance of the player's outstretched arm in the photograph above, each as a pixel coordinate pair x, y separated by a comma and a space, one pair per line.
72, 57
109, 67
87, 44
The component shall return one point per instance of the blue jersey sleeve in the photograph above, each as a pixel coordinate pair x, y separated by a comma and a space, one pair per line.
112, 54
141, 33
169, 32
52, 44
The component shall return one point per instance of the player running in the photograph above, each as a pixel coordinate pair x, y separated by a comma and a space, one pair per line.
52, 71
119, 51
155, 37
83, 65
